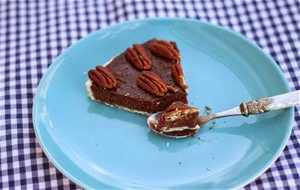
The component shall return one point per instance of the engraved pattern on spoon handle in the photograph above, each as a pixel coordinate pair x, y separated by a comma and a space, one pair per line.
272, 103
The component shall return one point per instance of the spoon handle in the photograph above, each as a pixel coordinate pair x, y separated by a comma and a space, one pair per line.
271, 103
263, 105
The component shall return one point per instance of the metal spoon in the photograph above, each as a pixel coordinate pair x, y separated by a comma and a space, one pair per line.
253, 107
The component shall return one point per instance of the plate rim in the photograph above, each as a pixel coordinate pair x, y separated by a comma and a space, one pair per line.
55, 62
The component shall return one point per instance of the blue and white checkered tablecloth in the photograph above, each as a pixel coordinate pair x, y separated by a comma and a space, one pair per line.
33, 33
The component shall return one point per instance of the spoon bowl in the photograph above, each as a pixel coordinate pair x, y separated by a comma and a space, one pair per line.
152, 122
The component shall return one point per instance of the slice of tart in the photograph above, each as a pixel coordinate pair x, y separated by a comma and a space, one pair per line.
146, 78
178, 119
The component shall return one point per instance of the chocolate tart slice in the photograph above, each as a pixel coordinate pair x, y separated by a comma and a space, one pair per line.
146, 78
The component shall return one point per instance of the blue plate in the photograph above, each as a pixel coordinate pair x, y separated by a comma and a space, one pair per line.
98, 146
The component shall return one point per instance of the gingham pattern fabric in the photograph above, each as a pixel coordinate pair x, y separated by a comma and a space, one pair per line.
33, 33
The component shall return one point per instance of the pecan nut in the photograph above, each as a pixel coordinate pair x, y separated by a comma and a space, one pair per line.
178, 76
165, 50
138, 57
102, 77
152, 84
172, 89
177, 110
